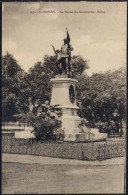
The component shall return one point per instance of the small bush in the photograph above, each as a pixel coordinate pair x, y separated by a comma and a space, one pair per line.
46, 122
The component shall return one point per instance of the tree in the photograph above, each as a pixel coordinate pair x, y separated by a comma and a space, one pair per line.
102, 98
79, 65
38, 86
12, 83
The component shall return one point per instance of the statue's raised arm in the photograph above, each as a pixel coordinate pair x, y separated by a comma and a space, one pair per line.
54, 49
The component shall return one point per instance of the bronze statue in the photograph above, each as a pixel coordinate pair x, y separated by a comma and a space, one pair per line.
64, 56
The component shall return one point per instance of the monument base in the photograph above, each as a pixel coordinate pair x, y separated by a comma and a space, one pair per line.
78, 137
83, 137
63, 95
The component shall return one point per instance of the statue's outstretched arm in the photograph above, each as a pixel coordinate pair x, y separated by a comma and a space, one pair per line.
54, 49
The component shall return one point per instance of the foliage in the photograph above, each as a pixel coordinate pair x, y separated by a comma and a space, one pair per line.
49, 65
38, 86
45, 121
12, 85
102, 99
79, 65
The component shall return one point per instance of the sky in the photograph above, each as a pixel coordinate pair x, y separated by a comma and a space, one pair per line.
97, 31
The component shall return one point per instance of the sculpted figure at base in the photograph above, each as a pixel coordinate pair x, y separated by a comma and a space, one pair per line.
63, 56
58, 61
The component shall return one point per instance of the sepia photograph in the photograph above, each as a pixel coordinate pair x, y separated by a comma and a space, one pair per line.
64, 97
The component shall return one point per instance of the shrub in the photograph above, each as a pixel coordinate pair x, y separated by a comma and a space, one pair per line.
46, 122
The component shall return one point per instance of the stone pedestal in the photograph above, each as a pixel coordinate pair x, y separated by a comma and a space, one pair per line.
63, 94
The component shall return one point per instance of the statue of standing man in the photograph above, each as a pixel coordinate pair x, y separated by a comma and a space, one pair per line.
64, 56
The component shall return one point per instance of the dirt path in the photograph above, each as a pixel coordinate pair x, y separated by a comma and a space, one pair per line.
48, 160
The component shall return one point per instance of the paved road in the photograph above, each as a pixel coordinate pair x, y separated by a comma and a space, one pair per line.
36, 175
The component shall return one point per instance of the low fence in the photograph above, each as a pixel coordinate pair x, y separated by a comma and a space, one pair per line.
111, 150
68, 150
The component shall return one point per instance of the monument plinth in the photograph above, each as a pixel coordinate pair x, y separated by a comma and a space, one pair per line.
63, 93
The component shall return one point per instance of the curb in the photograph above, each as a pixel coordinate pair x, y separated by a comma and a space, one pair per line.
31, 159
